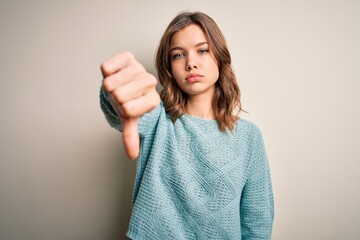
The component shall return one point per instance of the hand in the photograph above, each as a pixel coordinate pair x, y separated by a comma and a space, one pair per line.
132, 93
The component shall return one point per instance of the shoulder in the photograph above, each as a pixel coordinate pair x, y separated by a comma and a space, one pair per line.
249, 135
150, 120
246, 126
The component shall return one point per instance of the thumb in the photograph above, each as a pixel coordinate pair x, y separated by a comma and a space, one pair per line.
131, 137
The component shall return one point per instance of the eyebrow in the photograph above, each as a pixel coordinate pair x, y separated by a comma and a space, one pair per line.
180, 48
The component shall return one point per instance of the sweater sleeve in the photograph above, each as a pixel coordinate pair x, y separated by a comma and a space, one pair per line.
257, 204
146, 123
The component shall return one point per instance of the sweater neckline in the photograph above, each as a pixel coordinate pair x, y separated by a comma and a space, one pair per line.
199, 119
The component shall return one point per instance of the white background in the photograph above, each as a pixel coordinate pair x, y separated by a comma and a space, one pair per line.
63, 170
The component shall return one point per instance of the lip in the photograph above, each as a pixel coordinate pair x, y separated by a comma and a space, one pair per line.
194, 77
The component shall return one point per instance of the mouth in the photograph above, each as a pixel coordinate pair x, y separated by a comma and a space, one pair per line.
193, 78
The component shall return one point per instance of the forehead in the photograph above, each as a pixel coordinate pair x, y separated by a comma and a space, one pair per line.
188, 36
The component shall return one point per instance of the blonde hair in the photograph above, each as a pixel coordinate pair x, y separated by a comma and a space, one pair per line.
227, 92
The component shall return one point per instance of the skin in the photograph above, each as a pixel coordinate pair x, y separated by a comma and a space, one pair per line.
190, 54
132, 93
132, 90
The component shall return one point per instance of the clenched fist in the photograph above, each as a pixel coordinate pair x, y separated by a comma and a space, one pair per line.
132, 92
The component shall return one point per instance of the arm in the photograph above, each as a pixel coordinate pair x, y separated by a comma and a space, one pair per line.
129, 91
257, 204
111, 116
145, 124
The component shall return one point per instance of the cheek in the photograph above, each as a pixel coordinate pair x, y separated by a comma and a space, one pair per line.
217, 72
175, 71
215, 69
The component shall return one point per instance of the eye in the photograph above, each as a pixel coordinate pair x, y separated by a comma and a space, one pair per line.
177, 55
203, 51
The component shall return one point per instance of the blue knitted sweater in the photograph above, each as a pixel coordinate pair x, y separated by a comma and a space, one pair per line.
196, 182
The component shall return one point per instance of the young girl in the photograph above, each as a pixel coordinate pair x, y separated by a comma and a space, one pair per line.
202, 172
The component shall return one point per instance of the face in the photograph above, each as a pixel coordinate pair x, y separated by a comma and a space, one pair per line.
192, 62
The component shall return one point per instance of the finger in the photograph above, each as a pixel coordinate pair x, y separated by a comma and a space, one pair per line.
115, 106
134, 89
141, 105
115, 63
123, 76
131, 137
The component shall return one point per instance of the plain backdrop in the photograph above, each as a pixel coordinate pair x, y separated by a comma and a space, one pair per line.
63, 171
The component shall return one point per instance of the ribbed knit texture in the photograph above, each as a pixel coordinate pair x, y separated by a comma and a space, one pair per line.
196, 182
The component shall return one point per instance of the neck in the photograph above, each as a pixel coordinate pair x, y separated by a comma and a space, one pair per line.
200, 107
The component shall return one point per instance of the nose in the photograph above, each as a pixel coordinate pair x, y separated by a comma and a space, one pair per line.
191, 62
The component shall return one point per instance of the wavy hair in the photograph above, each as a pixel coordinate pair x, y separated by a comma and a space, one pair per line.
227, 93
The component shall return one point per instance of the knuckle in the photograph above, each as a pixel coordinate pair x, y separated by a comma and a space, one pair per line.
152, 80
119, 96
107, 85
156, 99
105, 69
139, 67
129, 55
127, 110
